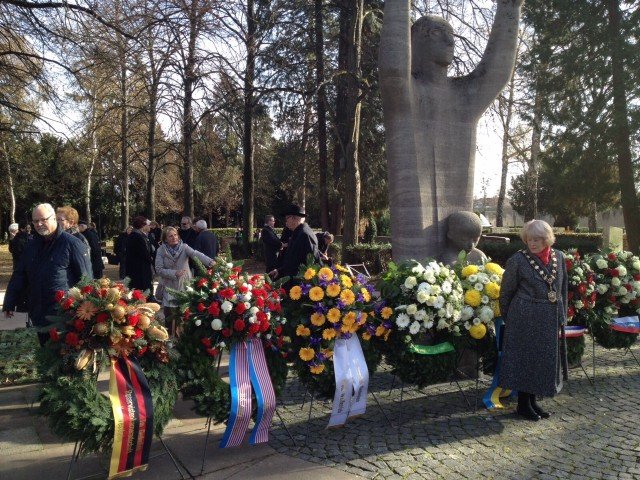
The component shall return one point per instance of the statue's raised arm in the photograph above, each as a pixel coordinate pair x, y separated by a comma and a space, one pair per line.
495, 68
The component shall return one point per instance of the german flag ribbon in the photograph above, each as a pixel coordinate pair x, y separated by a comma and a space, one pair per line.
133, 416
491, 399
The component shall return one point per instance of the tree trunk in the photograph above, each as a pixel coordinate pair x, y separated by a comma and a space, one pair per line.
593, 218
321, 109
12, 194
505, 153
94, 157
621, 132
533, 172
302, 190
124, 161
150, 198
247, 143
187, 120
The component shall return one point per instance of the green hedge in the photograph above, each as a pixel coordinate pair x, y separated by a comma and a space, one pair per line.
376, 256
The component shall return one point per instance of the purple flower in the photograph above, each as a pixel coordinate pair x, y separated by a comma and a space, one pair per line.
360, 298
320, 308
321, 357
314, 341
340, 304
305, 288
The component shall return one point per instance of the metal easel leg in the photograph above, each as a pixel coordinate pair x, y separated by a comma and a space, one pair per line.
306, 436
381, 409
304, 397
175, 460
284, 425
633, 355
206, 442
74, 458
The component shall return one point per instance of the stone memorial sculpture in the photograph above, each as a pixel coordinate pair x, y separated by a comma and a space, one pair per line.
463, 233
430, 120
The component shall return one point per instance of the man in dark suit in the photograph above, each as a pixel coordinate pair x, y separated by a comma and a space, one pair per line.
138, 256
206, 241
271, 242
94, 246
302, 243
187, 234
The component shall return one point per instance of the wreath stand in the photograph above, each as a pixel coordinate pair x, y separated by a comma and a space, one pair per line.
574, 332
77, 448
209, 422
619, 329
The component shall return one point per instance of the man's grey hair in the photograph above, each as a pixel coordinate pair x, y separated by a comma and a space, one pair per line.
14, 227
47, 206
201, 224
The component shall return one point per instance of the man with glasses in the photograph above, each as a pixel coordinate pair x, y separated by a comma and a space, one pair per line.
54, 260
187, 234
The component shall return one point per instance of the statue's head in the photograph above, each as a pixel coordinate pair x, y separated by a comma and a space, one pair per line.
431, 42
463, 230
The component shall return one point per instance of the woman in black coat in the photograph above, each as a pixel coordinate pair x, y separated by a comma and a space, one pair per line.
139, 260
533, 303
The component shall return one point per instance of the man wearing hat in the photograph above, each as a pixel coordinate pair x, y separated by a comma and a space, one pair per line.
302, 243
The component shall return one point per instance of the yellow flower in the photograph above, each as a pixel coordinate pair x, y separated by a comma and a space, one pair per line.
365, 293
493, 290
327, 352
307, 353
333, 315
328, 333
347, 297
349, 319
496, 309
380, 330
366, 336
302, 331
478, 331
363, 318
295, 293
316, 294
469, 270
346, 281
386, 313
341, 268
86, 311
494, 268
326, 273
318, 369
317, 319
345, 329
473, 298
309, 274
333, 289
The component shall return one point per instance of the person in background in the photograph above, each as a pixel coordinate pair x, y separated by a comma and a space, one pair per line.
54, 261
238, 236
17, 242
533, 303
271, 242
120, 249
138, 263
325, 239
94, 245
67, 217
172, 266
206, 241
186, 232
156, 231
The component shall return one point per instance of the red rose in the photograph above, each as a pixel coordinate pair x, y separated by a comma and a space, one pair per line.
186, 314
87, 290
137, 295
227, 293
264, 326
226, 332
67, 304
614, 272
206, 342
142, 351
78, 325
239, 325
213, 351
569, 264
59, 295
636, 277
134, 319
243, 289
240, 308
102, 317
571, 311
122, 302
215, 284
202, 282
278, 330
612, 299
259, 302
262, 317
582, 288
138, 333
236, 269
71, 339
201, 307
254, 328
570, 295
53, 333
612, 256
214, 309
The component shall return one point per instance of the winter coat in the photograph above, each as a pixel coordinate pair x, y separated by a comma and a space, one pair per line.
167, 265
44, 268
138, 261
96, 252
302, 243
534, 351
207, 243
17, 245
272, 245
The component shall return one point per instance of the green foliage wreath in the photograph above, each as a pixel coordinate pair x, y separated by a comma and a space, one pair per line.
607, 338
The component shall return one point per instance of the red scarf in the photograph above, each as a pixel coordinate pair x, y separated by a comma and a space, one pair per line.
544, 255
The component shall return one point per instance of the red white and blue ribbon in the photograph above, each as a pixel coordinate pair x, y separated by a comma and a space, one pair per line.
133, 418
626, 325
573, 331
491, 398
247, 367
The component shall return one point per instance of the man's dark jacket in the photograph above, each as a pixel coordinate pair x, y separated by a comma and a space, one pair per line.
96, 252
302, 243
207, 243
44, 268
188, 236
272, 245
138, 261
17, 245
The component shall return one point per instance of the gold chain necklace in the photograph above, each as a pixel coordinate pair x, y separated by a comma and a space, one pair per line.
549, 279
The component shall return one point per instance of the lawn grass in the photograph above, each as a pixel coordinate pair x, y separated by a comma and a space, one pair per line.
17, 356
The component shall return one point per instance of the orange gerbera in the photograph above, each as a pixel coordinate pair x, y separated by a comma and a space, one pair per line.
86, 311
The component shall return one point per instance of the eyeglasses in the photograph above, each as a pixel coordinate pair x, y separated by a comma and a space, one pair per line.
42, 220
184, 224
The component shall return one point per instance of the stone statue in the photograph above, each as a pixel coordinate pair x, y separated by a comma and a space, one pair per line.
463, 233
430, 120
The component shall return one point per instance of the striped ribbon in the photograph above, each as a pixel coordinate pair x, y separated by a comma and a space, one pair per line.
263, 388
491, 398
573, 331
626, 325
240, 414
133, 418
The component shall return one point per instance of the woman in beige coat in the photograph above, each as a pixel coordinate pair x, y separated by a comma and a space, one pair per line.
172, 266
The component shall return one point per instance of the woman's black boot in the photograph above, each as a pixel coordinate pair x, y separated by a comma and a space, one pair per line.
524, 407
537, 408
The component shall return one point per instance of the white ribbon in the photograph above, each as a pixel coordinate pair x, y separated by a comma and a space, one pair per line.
352, 381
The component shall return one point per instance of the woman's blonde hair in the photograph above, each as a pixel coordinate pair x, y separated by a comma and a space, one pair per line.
165, 231
538, 228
